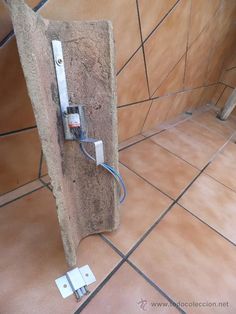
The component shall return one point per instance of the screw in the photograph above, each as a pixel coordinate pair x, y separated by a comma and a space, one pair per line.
59, 61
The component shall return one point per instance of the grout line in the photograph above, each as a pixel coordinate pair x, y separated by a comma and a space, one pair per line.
148, 37
155, 187
40, 164
6, 38
213, 42
226, 85
17, 198
171, 70
221, 94
147, 114
144, 56
18, 187
46, 185
143, 139
229, 69
11, 33
159, 145
125, 257
187, 44
158, 24
18, 131
195, 113
205, 223
111, 245
124, 65
99, 287
167, 95
219, 182
155, 286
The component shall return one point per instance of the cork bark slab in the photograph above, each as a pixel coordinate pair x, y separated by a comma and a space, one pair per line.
86, 195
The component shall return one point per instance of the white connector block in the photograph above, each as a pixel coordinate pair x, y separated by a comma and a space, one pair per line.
74, 280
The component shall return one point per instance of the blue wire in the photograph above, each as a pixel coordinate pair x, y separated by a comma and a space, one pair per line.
109, 168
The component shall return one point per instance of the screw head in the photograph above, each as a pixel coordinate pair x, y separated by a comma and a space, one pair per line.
59, 61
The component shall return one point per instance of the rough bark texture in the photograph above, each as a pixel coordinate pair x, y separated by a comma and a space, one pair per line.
86, 195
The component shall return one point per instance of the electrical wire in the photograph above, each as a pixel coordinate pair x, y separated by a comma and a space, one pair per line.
109, 168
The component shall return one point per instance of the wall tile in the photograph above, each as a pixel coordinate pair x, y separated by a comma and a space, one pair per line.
218, 93
228, 77
158, 112
122, 13
44, 169
151, 13
194, 98
202, 12
131, 119
208, 95
179, 104
224, 40
131, 81
174, 80
224, 97
167, 44
16, 110
197, 58
19, 159
5, 19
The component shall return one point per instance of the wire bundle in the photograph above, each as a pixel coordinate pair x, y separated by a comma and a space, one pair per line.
109, 168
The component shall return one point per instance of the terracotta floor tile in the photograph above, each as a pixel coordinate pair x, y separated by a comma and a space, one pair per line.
189, 260
161, 168
223, 167
123, 293
209, 119
213, 203
32, 257
202, 134
195, 149
24, 189
142, 207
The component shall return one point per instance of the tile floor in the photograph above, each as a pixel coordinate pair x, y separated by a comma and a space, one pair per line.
176, 241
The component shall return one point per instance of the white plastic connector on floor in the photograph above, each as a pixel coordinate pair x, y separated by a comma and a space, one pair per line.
75, 281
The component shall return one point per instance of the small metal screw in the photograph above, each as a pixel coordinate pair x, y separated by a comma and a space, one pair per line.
59, 61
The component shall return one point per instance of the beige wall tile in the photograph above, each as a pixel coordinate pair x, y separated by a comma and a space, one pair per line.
19, 159
228, 77
16, 109
224, 40
197, 59
208, 94
167, 44
122, 13
5, 19
158, 112
151, 13
218, 93
131, 119
131, 81
44, 168
202, 12
174, 80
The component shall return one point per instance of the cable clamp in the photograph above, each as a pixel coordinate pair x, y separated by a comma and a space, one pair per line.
76, 281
